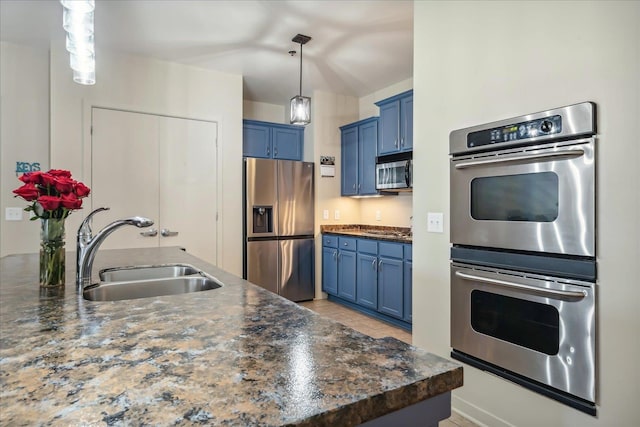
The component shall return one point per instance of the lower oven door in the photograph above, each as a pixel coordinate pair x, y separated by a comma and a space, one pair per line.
541, 328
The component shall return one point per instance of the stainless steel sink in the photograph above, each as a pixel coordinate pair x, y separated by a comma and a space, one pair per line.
144, 281
116, 291
146, 272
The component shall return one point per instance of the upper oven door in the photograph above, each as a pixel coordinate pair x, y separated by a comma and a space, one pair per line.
538, 199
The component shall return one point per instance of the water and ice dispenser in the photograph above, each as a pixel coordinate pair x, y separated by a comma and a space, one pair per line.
263, 219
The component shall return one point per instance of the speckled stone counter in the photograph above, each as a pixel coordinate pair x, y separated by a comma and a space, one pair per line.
238, 355
377, 232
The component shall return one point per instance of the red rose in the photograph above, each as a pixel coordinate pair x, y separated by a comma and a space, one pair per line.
81, 190
49, 203
71, 201
31, 177
64, 184
48, 180
60, 173
29, 192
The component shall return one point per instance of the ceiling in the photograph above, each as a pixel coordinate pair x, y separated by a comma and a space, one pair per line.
357, 47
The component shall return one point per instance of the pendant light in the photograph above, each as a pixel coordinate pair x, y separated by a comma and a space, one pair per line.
77, 20
300, 105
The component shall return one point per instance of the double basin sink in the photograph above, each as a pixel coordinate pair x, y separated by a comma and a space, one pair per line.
134, 282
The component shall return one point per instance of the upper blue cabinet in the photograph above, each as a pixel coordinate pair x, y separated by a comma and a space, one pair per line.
359, 141
272, 140
396, 124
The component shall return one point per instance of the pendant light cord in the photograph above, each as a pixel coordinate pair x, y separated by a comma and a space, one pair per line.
300, 69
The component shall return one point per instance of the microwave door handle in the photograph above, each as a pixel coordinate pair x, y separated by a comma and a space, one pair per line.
406, 174
560, 153
551, 293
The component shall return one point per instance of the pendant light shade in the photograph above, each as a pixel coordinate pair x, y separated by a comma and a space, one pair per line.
300, 107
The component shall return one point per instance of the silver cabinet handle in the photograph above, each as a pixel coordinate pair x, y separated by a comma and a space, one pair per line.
275, 151
168, 233
401, 142
346, 244
268, 151
149, 233
335, 255
379, 264
531, 289
373, 264
560, 153
395, 143
354, 186
339, 256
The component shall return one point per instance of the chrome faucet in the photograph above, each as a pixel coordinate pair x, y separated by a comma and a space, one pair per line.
87, 244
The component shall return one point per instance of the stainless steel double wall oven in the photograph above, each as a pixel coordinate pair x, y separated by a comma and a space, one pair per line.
523, 272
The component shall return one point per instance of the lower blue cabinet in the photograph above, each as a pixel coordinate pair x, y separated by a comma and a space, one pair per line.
371, 275
367, 281
347, 275
330, 270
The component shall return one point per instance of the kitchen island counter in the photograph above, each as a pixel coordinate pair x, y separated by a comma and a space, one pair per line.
237, 355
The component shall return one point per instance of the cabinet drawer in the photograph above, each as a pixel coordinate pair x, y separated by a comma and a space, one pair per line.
347, 243
408, 252
392, 250
330, 241
368, 246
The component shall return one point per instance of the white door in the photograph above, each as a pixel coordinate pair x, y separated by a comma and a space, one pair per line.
188, 199
124, 172
160, 167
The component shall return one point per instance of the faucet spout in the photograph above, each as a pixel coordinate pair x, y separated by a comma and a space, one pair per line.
87, 244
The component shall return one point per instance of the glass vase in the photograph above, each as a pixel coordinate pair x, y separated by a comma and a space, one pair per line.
52, 262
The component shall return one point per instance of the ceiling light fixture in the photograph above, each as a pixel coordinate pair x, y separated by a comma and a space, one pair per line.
77, 21
300, 105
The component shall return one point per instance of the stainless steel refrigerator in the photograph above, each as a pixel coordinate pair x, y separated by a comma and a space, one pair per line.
278, 227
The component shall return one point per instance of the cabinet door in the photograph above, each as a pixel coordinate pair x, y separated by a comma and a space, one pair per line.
256, 141
286, 143
408, 271
389, 140
330, 270
367, 281
367, 151
390, 284
124, 169
188, 186
349, 166
347, 275
406, 123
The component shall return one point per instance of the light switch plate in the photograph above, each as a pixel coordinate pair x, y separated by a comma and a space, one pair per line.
13, 214
435, 222
325, 214
336, 214
378, 216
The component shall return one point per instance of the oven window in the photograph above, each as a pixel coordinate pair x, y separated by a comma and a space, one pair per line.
525, 323
528, 197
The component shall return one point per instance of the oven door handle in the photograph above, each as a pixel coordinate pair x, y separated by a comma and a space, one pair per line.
575, 152
552, 293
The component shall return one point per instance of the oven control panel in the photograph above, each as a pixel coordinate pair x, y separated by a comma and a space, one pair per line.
516, 131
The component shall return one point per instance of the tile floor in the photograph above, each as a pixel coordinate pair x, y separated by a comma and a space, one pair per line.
377, 329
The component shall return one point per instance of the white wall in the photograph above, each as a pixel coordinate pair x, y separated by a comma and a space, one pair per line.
152, 86
367, 106
252, 110
24, 135
481, 61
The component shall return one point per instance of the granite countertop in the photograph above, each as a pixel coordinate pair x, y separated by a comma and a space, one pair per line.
377, 232
237, 355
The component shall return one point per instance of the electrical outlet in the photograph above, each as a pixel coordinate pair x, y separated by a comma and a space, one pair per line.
13, 214
435, 222
325, 214
336, 214
378, 216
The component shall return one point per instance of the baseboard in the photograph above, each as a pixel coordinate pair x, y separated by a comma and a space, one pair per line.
475, 414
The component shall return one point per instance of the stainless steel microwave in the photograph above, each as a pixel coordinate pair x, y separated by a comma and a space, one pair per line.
395, 175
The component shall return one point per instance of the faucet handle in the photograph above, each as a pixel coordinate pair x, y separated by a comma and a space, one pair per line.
85, 227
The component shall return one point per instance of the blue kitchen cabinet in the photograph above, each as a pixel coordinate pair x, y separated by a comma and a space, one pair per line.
347, 275
367, 274
408, 283
272, 140
390, 279
396, 124
359, 150
330, 270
